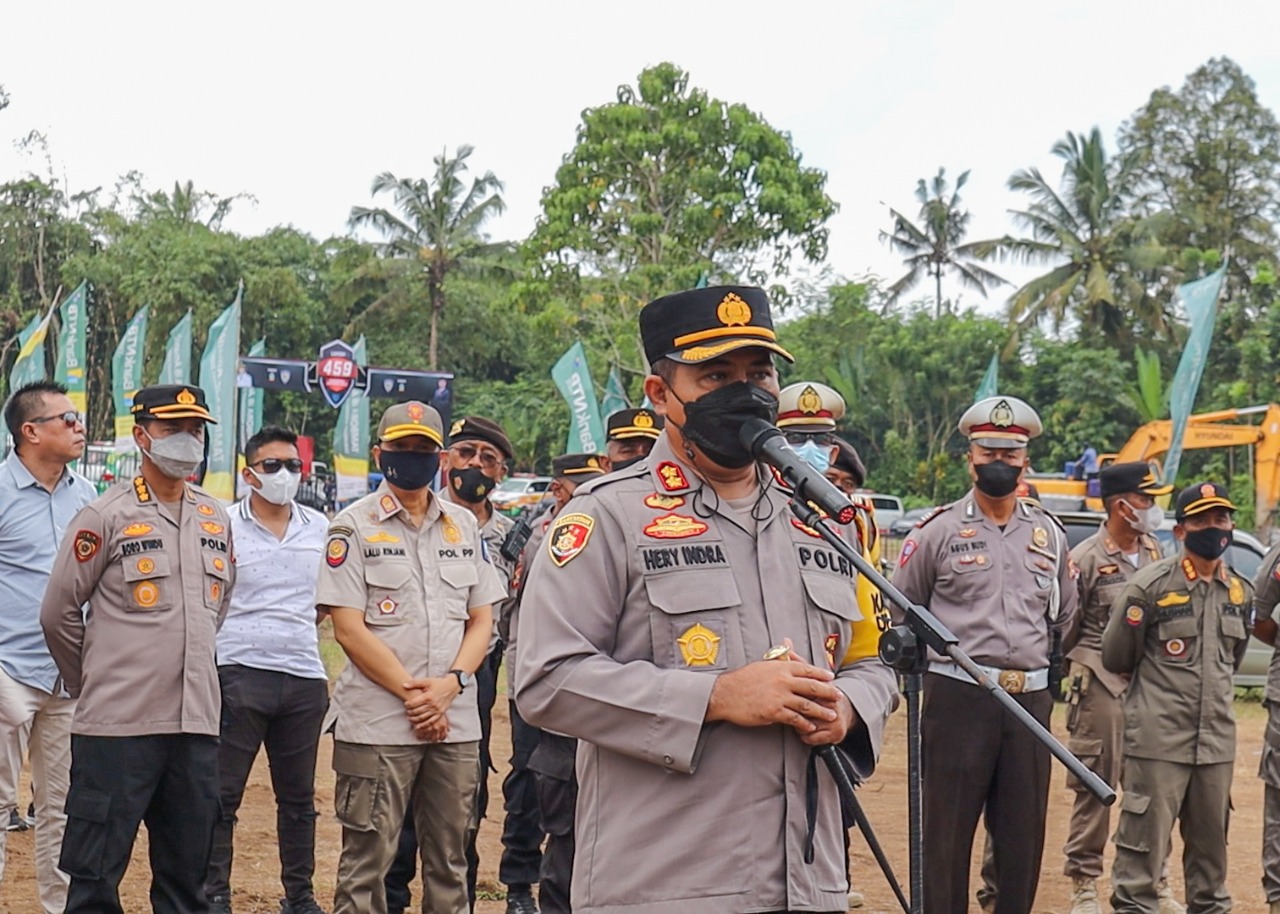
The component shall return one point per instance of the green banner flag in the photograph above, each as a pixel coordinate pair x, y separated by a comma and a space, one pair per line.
990, 380
351, 439
250, 399
126, 376
218, 378
572, 377
177, 354
615, 397
68, 365
29, 366
1200, 299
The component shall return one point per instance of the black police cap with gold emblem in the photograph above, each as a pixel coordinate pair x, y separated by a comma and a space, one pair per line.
703, 324
171, 401
1201, 497
634, 423
478, 428
1133, 476
577, 465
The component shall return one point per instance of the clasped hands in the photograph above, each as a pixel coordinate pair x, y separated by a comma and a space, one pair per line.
427, 703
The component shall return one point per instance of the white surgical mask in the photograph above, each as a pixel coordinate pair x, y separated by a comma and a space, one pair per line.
279, 487
1147, 520
177, 456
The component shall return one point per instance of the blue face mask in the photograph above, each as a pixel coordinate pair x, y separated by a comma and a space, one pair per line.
816, 455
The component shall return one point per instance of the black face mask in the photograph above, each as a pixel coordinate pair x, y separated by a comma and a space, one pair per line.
997, 479
714, 420
470, 484
623, 464
1208, 543
409, 470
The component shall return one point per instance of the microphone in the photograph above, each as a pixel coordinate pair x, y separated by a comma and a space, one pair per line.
767, 445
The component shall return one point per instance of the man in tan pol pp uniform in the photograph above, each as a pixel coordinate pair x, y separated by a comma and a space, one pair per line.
152, 558
1179, 629
410, 586
648, 609
994, 569
1107, 560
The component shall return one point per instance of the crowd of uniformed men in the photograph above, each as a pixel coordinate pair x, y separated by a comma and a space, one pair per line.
676, 645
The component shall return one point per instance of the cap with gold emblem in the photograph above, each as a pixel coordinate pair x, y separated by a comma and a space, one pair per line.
576, 466
1201, 497
634, 423
1000, 422
702, 324
171, 401
411, 418
809, 407
1133, 476
478, 428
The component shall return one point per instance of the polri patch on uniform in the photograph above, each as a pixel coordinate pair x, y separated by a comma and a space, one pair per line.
908, 550
87, 545
569, 537
137, 530
675, 527
1133, 615
336, 552
672, 477
699, 646
663, 502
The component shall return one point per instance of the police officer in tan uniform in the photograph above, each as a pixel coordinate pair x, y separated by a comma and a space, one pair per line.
1107, 560
995, 570
629, 436
152, 558
1266, 598
1179, 630
656, 594
408, 581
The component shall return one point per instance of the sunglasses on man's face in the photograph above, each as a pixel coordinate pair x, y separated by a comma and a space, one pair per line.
71, 419
275, 465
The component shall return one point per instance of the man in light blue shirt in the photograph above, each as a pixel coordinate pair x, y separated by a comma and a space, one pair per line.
39, 496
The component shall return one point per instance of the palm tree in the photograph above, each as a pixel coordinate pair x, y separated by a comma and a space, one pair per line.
935, 244
1110, 257
438, 231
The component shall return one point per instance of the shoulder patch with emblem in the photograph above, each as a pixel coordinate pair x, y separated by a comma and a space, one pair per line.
87, 545
672, 477
663, 502
569, 537
674, 527
1133, 615
908, 550
336, 551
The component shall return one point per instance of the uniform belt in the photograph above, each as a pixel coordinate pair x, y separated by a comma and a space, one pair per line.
1014, 682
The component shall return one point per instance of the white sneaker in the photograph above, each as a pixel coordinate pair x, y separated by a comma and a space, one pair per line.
1084, 896
1169, 904
855, 899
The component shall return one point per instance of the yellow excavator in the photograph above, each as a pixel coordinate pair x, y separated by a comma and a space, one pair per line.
1204, 430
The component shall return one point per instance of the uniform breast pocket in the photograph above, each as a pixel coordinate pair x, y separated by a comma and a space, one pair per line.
216, 573
694, 623
1041, 573
971, 575
1179, 640
836, 625
149, 583
1231, 632
386, 586
457, 579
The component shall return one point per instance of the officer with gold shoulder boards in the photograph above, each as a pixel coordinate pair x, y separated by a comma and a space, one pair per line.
152, 558
646, 615
630, 434
994, 569
1179, 630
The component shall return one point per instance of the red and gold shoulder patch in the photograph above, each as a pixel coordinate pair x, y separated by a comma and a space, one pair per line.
388, 505
1133, 615
675, 527
672, 477
569, 537
336, 552
1190, 570
663, 502
87, 545
137, 530
805, 528
211, 528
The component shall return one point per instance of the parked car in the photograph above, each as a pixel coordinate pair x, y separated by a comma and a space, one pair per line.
907, 522
515, 493
888, 509
1244, 557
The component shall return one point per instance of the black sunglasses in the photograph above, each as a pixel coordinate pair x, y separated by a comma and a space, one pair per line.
72, 419
275, 465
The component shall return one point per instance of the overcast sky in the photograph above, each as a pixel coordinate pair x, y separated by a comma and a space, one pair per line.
301, 105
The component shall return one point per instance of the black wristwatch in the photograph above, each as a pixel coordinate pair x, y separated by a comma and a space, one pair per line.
464, 679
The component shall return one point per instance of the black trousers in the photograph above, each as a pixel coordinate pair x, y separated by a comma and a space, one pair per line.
978, 758
522, 833
405, 864
553, 764
168, 781
284, 714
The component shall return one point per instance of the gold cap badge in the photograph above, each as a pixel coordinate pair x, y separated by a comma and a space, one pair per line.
186, 397
643, 420
810, 402
733, 311
1002, 414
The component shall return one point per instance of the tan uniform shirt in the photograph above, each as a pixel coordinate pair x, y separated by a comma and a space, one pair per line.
644, 590
1104, 570
1181, 637
142, 659
417, 587
494, 533
1266, 587
999, 591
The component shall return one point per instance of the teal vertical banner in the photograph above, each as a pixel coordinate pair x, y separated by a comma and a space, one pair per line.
177, 353
218, 370
1200, 298
572, 377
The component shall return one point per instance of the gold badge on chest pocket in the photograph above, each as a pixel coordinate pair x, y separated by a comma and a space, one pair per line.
699, 646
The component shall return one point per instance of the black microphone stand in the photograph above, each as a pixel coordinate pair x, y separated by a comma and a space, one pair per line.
905, 649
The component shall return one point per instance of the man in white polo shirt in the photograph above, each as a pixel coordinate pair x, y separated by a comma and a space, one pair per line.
274, 689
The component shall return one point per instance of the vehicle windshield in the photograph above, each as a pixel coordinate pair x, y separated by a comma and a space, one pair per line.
512, 485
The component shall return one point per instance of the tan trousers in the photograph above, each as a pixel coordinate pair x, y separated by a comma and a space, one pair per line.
1269, 771
373, 788
1155, 793
1096, 725
41, 722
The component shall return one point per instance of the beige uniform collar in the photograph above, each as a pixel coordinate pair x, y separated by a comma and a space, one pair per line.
389, 506
1146, 543
142, 492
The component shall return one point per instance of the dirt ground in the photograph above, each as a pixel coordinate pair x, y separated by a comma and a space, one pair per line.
256, 874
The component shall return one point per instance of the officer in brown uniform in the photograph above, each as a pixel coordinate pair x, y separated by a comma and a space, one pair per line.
1178, 629
1265, 600
657, 592
630, 434
408, 581
995, 570
1107, 560
152, 558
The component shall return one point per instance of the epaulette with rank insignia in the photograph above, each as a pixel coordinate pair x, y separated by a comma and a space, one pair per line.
928, 518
